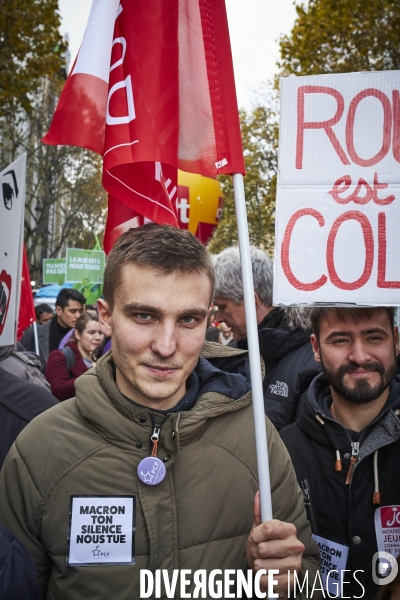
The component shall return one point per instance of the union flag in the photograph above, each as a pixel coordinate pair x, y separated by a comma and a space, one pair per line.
152, 90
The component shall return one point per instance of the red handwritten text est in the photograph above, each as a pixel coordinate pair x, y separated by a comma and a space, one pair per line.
363, 192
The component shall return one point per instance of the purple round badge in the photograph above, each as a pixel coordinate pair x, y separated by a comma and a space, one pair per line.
151, 470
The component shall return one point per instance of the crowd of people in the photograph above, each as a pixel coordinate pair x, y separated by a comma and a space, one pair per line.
160, 431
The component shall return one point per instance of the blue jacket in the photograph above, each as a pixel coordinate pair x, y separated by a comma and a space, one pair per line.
18, 578
20, 402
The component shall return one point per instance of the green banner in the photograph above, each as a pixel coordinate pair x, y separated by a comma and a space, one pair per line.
54, 270
91, 291
85, 266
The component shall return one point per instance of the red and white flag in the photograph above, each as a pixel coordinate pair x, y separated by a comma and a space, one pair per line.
154, 184
153, 83
27, 313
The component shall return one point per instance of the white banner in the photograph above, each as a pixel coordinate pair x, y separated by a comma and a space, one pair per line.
387, 528
338, 201
102, 530
333, 558
12, 206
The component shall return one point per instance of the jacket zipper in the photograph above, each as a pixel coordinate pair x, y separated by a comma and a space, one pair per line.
307, 503
357, 451
155, 436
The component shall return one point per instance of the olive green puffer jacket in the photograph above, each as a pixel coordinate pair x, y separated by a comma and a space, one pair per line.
198, 517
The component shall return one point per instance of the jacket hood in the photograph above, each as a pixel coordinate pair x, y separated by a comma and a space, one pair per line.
229, 359
219, 392
6, 351
277, 343
276, 334
212, 379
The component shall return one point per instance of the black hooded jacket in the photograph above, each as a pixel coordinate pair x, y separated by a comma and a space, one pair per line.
18, 578
20, 402
286, 351
340, 512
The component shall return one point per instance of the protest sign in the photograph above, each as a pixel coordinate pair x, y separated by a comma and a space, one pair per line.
102, 530
85, 265
387, 528
333, 563
12, 205
91, 291
338, 201
54, 270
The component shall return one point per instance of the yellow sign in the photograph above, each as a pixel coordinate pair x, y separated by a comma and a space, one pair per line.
199, 204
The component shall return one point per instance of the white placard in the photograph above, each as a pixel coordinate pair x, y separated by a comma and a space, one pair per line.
333, 563
102, 530
387, 528
12, 206
338, 201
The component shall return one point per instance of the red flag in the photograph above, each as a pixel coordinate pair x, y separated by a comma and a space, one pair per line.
152, 184
153, 84
26, 307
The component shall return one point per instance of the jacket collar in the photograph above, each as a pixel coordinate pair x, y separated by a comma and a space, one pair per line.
108, 412
332, 433
79, 367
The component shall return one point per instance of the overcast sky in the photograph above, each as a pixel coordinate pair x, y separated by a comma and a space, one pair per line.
255, 27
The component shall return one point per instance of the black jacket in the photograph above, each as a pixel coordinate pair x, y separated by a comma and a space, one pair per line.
49, 335
20, 402
286, 351
18, 578
28, 340
340, 512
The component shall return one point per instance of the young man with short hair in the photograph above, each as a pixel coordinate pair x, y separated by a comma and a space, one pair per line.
157, 442
43, 313
69, 306
345, 446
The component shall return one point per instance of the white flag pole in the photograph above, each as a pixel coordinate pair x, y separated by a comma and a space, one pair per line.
35, 335
254, 349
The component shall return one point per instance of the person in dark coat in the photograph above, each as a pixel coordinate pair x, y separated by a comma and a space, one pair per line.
20, 402
69, 306
43, 313
66, 365
21, 363
18, 578
284, 334
345, 445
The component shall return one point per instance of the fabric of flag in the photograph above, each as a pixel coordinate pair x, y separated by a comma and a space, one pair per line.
121, 218
27, 313
153, 182
153, 84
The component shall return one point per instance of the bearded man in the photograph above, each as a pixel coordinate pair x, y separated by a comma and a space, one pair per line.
345, 446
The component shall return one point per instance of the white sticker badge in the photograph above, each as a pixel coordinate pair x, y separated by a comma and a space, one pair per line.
387, 528
101, 530
333, 562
